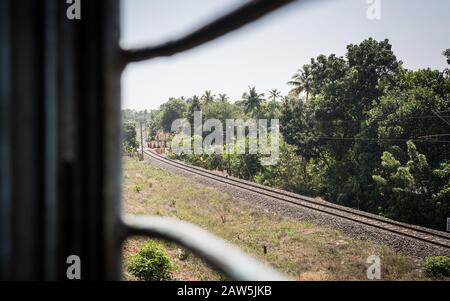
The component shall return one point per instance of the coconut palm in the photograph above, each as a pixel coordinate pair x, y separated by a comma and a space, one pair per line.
301, 82
208, 97
252, 100
274, 94
223, 97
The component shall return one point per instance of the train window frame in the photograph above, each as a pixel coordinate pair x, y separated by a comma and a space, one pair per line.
61, 171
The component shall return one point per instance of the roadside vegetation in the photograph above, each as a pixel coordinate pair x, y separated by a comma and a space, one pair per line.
302, 250
359, 130
438, 267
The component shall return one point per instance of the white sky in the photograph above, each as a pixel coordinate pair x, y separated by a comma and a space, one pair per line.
267, 53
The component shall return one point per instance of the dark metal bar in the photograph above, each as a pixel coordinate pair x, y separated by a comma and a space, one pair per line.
89, 140
236, 19
218, 253
5, 145
60, 140
112, 128
22, 131
50, 142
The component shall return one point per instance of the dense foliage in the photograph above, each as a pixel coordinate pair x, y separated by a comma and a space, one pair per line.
379, 132
438, 267
358, 130
129, 142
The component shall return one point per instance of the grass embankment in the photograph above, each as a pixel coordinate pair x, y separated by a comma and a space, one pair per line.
302, 250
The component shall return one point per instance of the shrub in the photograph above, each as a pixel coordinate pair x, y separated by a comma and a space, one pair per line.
152, 263
437, 267
137, 188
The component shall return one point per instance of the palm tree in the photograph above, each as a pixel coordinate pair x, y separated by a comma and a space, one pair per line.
208, 97
252, 100
223, 97
193, 107
274, 94
301, 81
446, 53
195, 103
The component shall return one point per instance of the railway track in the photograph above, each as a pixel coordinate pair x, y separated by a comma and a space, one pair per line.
433, 237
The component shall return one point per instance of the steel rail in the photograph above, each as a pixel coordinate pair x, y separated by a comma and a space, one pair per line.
325, 204
363, 218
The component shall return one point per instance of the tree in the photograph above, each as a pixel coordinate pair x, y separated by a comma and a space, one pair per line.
170, 111
222, 111
274, 94
223, 97
153, 124
129, 141
194, 106
208, 97
290, 173
252, 100
363, 108
270, 110
301, 82
330, 128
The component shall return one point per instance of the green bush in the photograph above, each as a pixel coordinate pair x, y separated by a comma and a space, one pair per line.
437, 267
137, 188
152, 263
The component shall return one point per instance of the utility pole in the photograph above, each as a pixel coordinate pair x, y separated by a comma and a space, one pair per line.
142, 142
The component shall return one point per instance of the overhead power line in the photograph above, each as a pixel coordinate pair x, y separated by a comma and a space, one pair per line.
441, 117
380, 139
396, 118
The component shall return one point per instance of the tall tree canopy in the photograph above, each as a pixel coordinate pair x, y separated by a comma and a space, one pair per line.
364, 109
170, 111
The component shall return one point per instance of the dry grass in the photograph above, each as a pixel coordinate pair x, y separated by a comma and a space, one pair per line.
302, 250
